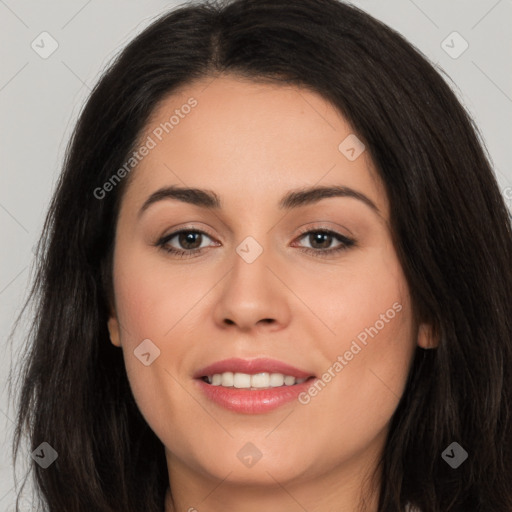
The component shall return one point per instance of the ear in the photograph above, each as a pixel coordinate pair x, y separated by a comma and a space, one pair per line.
113, 329
426, 337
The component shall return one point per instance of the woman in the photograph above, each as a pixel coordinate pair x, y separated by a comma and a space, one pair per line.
254, 369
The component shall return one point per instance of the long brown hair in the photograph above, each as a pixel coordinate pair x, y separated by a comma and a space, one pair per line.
450, 226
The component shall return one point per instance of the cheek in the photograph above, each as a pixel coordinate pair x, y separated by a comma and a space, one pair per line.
364, 299
156, 303
369, 351
151, 300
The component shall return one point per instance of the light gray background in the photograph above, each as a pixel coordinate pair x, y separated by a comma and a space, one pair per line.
41, 98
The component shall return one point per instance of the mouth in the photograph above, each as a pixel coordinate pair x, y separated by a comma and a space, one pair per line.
252, 386
263, 380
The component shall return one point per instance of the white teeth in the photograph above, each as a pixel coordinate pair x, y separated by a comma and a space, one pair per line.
260, 380
256, 381
289, 381
241, 380
217, 379
277, 379
227, 379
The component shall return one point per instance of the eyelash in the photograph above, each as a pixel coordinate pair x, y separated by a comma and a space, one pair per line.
346, 243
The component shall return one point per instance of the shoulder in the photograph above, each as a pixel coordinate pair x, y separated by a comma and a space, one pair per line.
410, 508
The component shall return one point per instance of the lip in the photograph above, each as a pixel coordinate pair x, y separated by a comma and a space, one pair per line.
252, 366
246, 401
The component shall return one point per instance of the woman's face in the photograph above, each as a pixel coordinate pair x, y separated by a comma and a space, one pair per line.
268, 282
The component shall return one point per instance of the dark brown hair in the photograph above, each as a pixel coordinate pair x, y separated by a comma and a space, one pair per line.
450, 226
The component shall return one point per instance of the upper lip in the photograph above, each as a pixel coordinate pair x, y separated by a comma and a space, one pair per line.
251, 366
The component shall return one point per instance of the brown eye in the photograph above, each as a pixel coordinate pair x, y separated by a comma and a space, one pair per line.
189, 239
188, 242
321, 239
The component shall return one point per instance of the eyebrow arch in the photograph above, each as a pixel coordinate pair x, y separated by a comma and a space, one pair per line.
292, 199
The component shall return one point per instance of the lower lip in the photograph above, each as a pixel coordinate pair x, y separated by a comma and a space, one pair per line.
248, 401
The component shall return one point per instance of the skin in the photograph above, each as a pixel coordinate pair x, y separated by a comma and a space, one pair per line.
251, 143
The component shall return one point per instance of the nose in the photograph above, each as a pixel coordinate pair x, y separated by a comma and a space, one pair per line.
253, 295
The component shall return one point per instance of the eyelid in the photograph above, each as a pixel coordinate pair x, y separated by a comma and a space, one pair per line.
302, 230
322, 227
187, 227
163, 240
344, 240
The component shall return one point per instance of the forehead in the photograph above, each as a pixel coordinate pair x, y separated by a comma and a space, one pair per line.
249, 142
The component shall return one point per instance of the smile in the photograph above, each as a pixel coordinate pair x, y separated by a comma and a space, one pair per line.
264, 380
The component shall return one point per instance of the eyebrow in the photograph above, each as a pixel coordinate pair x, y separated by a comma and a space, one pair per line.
293, 199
